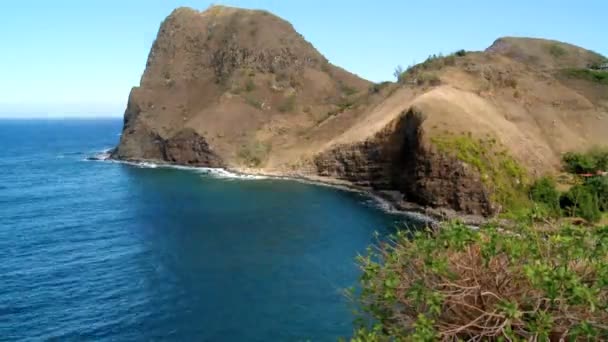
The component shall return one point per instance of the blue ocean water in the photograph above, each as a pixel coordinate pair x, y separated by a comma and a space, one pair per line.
108, 251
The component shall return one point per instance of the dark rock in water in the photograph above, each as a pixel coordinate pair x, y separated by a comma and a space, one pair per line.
186, 147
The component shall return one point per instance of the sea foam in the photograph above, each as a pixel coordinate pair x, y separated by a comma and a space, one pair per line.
104, 156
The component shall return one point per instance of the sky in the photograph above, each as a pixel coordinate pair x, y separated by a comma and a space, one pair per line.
65, 58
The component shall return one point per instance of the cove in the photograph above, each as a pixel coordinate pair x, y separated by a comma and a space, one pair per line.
97, 250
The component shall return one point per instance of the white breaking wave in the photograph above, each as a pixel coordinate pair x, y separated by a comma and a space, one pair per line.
207, 171
375, 200
103, 155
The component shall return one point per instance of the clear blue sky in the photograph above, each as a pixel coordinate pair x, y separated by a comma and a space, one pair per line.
75, 57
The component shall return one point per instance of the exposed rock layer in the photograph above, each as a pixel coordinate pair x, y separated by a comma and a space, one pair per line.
398, 159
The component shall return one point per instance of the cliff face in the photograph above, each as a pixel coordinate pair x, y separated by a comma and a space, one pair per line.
397, 158
242, 89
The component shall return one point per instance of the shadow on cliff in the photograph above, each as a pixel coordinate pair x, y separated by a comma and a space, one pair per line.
399, 158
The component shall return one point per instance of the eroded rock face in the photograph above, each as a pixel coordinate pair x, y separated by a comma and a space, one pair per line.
184, 148
398, 159
189, 148
224, 80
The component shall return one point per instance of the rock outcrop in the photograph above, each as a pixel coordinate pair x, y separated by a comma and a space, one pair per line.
397, 158
238, 88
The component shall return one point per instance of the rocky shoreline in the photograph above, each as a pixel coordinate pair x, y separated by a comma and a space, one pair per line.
391, 201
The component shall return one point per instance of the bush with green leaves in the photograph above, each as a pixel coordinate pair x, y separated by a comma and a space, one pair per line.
578, 163
595, 159
544, 192
455, 283
599, 186
556, 50
501, 173
377, 87
581, 201
596, 76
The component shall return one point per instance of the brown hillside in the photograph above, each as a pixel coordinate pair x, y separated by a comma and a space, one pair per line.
241, 89
544, 53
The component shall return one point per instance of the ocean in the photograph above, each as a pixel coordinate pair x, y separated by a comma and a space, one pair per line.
93, 250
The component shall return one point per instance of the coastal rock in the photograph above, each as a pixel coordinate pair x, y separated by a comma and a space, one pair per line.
187, 147
241, 89
398, 158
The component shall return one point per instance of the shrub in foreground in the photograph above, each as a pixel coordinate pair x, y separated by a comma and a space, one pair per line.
599, 186
581, 201
456, 283
544, 191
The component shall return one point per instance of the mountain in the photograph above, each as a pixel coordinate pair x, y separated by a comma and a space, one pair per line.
241, 89
226, 86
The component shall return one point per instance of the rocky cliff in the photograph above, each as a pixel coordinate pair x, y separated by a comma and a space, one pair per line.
238, 88
227, 85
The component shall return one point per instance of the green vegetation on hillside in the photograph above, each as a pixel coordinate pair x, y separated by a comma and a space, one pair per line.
581, 201
598, 76
524, 283
423, 73
538, 278
377, 87
544, 192
347, 90
254, 154
595, 159
500, 172
509, 187
588, 198
556, 50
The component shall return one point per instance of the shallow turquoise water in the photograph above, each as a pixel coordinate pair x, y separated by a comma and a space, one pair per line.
107, 251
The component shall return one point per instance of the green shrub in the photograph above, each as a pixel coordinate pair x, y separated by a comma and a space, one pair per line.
449, 60
398, 73
377, 87
578, 163
253, 102
433, 63
581, 201
544, 191
600, 156
250, 85
254, 154
596, 159
460, 53
599, 187
557, 51
429, 78
347, 90
598, 76
502, 174
490, 284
